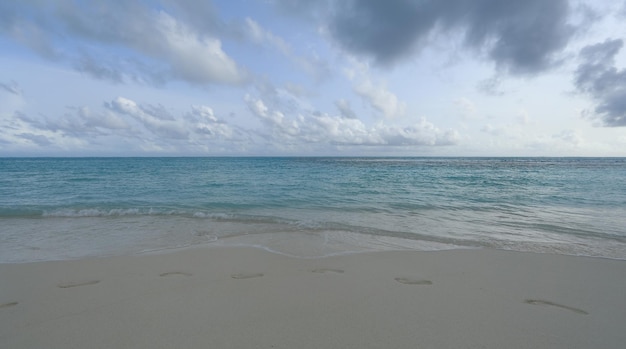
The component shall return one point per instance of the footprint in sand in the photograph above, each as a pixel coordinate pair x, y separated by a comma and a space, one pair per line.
9, 304
410, 281
542, 302
77, 284
327, 270
241, 276
182, 273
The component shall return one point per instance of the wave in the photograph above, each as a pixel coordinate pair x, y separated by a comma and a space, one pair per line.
69, 212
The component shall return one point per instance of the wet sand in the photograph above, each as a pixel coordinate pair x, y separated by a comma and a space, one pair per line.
250, 298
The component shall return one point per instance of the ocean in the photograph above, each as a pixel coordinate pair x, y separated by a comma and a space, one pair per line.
69, 208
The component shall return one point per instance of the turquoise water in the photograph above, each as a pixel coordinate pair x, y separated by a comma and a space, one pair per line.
64, 208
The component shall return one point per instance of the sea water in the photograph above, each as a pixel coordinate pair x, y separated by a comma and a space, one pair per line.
66, 208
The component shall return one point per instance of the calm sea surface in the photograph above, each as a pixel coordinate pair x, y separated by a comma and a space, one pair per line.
65, 208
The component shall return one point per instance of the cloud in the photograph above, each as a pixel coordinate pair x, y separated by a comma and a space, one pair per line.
344, 109
381, 99
123, 125
87, 64
11, 87
40, 140
124, 36
261, 36
598, 77
490, 86
200, 15
422, 133
202, 113
303, 9
78, 122
17, 20
520, 37
311, 64
194, 58
206, 123
150, 117
305, 127
199, 127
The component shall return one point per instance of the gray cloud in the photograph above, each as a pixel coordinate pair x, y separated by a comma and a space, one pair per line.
201, 15
386, 30
490, 86
344, 109
40, 140
598, 77
11, 87
521, 37
304, 9
16, 19
92, 67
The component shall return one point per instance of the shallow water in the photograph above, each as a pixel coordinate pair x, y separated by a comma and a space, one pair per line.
63, 208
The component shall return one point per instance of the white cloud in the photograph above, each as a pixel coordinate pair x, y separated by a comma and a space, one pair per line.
258, 108
204, 122
305, 127
261, 36
118, 40
202, 113
126, 126
380, 98
106, 119
422, 133
194, 58
375, 94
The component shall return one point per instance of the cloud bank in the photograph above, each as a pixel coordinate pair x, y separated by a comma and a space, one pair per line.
290, 123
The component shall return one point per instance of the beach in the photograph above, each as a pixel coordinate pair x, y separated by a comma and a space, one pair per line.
230, 297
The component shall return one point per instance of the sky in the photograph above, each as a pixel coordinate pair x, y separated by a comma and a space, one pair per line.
312, 78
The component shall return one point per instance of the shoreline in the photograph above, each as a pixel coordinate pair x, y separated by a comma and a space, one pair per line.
243, 297
305, 245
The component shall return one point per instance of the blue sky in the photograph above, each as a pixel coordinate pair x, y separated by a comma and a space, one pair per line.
289, 77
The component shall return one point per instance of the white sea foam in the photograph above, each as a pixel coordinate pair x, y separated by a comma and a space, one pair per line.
94, 212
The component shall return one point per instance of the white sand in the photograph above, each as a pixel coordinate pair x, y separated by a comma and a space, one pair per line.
250, 298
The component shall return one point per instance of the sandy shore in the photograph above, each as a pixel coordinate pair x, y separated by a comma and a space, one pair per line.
250, 298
